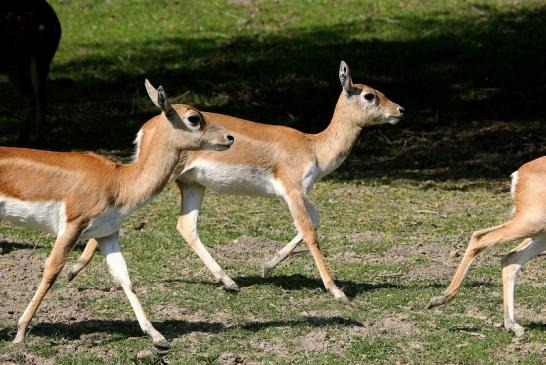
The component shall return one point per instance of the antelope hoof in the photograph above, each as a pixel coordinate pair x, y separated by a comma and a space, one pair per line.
344, 300
340, 296
71, 274
437, 301
162, 343
19, 339
516, 329
266, 269
230, 285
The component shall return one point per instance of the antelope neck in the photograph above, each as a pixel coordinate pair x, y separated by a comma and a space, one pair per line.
149, 173
334, 144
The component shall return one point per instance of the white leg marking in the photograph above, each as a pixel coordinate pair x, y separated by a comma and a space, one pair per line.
118, 269
192, 197
511, 264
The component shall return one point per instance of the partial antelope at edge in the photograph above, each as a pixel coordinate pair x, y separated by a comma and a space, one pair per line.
529, 223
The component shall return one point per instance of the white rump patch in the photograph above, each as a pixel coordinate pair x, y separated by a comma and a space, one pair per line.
513, 188
514, 184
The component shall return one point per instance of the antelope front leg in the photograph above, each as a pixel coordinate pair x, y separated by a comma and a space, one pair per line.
304, 224
289, 248
511, 264
118, 269
192, 197
83, 260
53, 266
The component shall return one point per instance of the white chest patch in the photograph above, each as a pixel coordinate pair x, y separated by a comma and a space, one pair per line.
232, 179
48, 216
107, 222
332, 166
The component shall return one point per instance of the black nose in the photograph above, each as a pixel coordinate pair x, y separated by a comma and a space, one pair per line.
401, 110
230, 138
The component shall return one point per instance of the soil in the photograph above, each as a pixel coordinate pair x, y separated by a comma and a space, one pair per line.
253, 250
21, 269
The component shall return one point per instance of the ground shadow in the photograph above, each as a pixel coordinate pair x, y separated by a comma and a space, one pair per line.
6, 247
170, 328
298, 282
540, 326
474, 89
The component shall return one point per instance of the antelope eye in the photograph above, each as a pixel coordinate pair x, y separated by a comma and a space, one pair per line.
194, 120
369, 96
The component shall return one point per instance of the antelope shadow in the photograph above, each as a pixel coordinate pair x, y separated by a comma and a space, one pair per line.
170, 328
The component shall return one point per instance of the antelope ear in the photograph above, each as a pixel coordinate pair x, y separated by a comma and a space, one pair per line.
152, 92
159, 98
345, 77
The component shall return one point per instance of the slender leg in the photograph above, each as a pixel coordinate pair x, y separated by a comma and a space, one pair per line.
289, 248
83, 260
481, 240
118, 269
511, 264
52, 268
192, 197
304, 224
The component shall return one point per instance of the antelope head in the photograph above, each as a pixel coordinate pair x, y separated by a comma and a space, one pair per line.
190, 129
364, 105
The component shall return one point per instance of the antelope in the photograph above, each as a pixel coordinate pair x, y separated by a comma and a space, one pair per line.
275, 161
30, 34
81, 196
529, 223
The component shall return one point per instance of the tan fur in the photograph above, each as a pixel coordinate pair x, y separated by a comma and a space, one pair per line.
528, 223
88, 185
285, 155
276, 147
87, 182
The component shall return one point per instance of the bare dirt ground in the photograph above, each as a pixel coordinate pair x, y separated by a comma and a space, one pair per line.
64, 310
70, 329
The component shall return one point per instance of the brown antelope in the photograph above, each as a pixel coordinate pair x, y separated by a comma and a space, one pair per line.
275, 161
79, 196
529, 223
29, 36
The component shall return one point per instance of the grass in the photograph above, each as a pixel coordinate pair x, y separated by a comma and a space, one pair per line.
471, 75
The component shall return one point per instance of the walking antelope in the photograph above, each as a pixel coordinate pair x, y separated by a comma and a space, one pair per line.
29, 36
529, 222
79, 196
275, 161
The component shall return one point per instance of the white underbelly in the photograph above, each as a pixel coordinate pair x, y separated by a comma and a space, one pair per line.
233, 179
50, 217
47, 216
